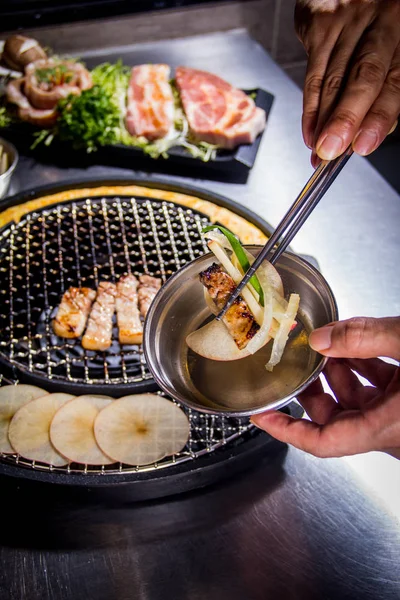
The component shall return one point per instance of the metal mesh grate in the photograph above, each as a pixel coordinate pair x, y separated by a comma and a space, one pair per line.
207, 434
80, 244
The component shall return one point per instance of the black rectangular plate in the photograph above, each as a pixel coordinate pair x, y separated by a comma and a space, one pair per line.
229, 165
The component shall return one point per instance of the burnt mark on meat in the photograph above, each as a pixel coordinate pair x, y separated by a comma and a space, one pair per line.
238, 319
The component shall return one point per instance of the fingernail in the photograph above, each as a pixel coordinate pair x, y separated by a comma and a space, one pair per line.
394, 127
364, 142
254, 422
307, 137
320, 339
329, 147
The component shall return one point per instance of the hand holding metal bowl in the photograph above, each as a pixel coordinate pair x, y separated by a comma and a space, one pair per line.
239, 387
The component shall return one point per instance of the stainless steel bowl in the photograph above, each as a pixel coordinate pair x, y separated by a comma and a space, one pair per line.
242, 387
5, 179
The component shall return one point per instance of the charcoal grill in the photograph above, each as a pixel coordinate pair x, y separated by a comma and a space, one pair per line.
81, 243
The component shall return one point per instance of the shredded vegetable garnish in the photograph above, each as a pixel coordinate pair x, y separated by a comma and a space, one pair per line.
5, 118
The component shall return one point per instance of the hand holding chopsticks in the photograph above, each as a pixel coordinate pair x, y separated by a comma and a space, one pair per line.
320, 181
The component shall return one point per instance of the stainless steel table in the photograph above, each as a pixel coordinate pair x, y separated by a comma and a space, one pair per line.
295, 526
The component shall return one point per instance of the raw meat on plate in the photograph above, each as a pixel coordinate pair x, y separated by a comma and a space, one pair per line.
217, 112
150, 108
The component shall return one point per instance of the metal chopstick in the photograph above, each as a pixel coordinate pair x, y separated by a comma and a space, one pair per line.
315, 188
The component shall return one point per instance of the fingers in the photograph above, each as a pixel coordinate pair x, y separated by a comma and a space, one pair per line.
383, 114
376, 371
318, 60
344, 384
319, 405
370, 66
337, 69
360, 337
347, 433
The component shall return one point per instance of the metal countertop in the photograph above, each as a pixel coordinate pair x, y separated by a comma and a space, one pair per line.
296, 526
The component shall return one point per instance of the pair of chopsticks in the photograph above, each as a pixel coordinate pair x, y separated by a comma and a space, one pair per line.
316, 187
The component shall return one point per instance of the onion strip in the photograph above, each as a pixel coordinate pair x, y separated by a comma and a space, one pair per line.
283, 332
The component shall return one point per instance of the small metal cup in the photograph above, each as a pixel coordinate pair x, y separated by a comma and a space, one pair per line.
5, 178
243, 387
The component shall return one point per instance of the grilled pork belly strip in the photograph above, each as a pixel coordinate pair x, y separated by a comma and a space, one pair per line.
73, 312
150, 106
99, 329
238, 319
128, 318
148, 288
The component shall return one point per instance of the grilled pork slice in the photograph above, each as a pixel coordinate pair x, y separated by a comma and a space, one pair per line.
238, 319
73, 312
128, 318
150, 109
217, 112
99, 329
148, 288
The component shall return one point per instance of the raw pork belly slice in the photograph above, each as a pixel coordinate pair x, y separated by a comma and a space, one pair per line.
217, 112
150, 110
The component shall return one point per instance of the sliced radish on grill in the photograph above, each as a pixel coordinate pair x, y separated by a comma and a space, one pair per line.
141, 429
29, 430
72, 430
12, 398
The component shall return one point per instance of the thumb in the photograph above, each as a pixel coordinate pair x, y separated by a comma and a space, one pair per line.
360, 337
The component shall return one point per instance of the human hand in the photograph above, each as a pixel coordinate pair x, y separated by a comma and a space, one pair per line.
356, 418
352, 85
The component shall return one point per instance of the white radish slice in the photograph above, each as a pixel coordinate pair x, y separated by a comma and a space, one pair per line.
12, 397
214, 341
29, 430
141, 429
72, 430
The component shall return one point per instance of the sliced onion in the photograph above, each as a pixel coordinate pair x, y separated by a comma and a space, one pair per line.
282, 335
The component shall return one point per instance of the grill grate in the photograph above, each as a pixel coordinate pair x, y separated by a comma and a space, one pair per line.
207, 434
81, 243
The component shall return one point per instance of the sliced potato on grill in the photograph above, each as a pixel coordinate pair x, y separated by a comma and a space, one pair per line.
72, 430
141, 429
29, 430
12, 398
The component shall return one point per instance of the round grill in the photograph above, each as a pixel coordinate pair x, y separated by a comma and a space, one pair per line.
80, 244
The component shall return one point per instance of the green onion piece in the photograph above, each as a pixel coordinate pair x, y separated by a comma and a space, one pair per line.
241, 256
